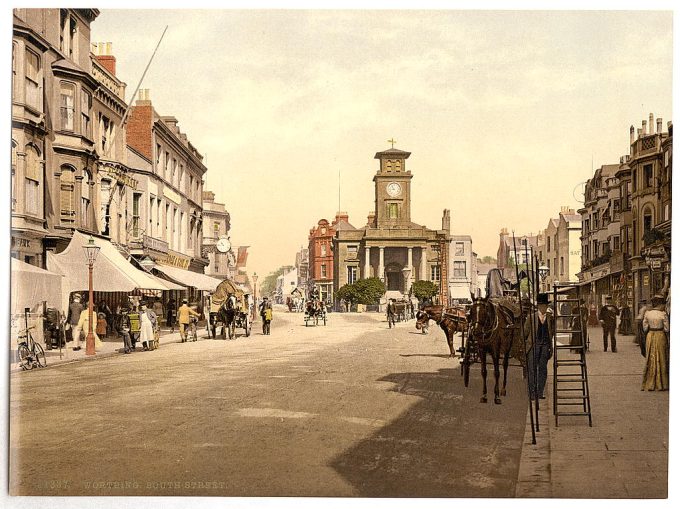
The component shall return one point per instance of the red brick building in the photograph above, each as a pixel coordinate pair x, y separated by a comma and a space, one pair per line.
321, 253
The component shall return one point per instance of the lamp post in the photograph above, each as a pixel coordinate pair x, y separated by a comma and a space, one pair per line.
543, 272
254, 293
91, 252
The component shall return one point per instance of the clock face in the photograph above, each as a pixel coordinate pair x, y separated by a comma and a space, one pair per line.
393, 189
223, 245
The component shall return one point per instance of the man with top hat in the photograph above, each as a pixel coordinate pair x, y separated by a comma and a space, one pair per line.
607, 317
540, 346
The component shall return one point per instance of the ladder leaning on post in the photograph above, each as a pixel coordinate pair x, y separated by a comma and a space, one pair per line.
570, 372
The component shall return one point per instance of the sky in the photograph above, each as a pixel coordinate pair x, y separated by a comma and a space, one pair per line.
505, 113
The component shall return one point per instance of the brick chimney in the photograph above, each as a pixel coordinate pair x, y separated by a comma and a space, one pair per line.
102, 52
371, 219
140, 125
341, 216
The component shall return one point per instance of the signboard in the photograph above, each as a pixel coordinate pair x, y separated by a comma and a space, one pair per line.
156, 244
120, 176
655, 263
175, 260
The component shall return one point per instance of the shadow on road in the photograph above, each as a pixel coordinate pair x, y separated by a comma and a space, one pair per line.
438, 355
446, 444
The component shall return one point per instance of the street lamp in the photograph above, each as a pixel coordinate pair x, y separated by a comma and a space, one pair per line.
254, 291
543, 272
91, 252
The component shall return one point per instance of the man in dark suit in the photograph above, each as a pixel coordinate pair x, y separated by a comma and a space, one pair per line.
540, 346
607, 317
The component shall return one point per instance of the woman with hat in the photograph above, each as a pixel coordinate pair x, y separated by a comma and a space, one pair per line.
656, 327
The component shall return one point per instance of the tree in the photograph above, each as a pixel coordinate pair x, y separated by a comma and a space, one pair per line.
268, 286
347, 293
490, 260
369, 290
423, 290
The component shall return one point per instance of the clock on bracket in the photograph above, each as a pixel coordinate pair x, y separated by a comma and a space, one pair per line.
394, 189
223, 245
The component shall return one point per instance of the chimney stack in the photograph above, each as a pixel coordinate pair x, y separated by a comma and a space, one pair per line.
644, 128
632, 135
651, 123
143, 96
102, 52
659, 125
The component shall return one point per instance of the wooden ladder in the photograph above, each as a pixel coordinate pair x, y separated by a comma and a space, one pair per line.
571, 394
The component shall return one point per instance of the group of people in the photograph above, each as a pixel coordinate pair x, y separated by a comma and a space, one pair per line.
652, 335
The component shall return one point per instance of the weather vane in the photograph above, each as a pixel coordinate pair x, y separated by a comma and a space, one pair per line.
392, 141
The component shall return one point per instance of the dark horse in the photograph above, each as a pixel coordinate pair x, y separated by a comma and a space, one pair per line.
227, 315
492, 332
451, 320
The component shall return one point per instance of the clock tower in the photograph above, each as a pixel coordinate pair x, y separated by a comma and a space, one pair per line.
392, 189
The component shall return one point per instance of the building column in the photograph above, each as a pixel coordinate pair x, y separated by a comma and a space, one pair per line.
409, 264
423, 263
367, 263
381, 264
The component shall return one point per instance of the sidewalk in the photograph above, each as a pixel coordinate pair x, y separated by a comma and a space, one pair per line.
623, 455
110, 346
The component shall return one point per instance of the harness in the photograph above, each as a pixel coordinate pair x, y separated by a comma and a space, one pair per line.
486, 334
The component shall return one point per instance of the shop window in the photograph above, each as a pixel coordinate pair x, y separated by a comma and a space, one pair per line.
32, 181
459, 269
67, 94
33, 88
67, 195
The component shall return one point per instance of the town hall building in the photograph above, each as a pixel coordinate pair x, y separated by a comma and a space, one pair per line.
391, 246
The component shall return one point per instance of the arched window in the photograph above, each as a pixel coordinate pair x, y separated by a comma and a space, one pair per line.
67, 93
67, 195
32, 180
647, 220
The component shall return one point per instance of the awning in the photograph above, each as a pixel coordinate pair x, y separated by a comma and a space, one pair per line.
460, 292
189, 278
31, 285
111, 272
169, 285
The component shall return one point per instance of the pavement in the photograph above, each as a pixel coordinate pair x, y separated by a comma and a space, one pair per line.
625, 452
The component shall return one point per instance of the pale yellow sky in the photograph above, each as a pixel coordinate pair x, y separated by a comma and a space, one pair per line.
502, 111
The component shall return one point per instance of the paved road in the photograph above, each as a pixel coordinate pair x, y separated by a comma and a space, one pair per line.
351, 409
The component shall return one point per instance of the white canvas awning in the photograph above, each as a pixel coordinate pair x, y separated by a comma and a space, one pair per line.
111, 272
460, 292
32, 285
189, 278
169, 285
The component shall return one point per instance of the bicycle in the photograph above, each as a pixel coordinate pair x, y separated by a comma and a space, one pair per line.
31, 354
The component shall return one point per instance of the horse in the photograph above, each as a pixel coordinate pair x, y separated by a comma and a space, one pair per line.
451, 320
314, 309
492, 332
227, 313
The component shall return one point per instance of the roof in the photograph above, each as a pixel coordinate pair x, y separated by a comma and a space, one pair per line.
392, 152
609, 170
484, 268
572, 218
343, 225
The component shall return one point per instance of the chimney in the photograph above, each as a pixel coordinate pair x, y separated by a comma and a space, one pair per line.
341, 216
371, 219
104, 56
632, 135
644, 128
140, 127
659, 125
143, 97
446, 220
639, 132
651, 123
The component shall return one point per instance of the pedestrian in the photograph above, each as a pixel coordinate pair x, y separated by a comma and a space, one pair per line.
607, 317
391, 313
656, 326
267, 315
539, 348
184, 315
72, 319
158, 309
170, 314
84, 325
124, 330
625, 324
148, 324
134, 319
639, 334
102, 324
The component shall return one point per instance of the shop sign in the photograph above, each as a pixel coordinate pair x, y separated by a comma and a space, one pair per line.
120, 176
156, 244
19, 243
175, 260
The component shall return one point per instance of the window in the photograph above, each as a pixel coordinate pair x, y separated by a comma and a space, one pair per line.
352, 275
323, 249
191, 186
596, 249
548, 265
168, 219
67, 195
85, 199
69, 28
67, 94
180, 239
166, 166
648, 174
352, 251
85, 105
136, 206
561, 265
323, 270
32, 181
191, 234
617, 243
105, 189
159, 159
634, 180
14, 172
152, 200
393, 210
14, 67
435, 273
174, 172
596, 220
104, 125
647, 221
32, 79
459, 269
548, 242
460, 249
217, 262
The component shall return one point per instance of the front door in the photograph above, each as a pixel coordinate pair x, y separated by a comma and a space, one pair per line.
395, 281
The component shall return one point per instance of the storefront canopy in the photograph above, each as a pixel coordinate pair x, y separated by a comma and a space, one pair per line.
32, 285
460, 292
189, 278
111, 271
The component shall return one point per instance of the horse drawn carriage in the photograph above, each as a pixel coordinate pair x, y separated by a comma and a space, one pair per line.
229, 308
315, 312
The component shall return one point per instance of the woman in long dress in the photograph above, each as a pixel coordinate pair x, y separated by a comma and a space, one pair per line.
656, 326
147, 319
